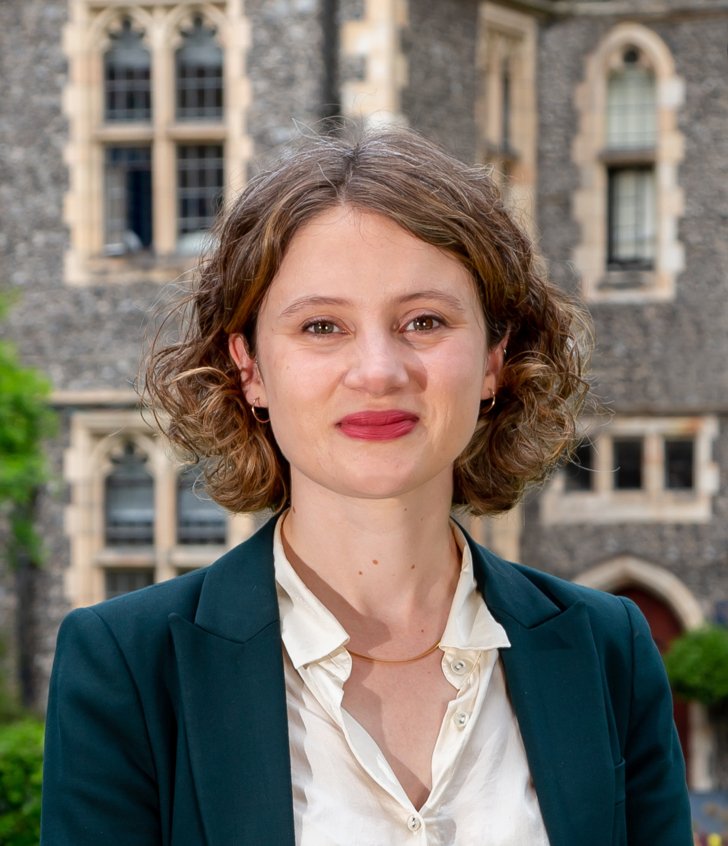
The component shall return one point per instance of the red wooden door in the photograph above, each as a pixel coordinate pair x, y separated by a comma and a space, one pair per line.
665, 627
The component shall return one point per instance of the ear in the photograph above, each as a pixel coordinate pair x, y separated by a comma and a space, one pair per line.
250, 378
494, 365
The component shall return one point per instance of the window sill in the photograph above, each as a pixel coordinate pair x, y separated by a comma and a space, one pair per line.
129, 269
559, 508
127, 556
631, 284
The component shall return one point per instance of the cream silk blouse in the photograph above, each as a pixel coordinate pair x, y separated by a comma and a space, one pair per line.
344, 791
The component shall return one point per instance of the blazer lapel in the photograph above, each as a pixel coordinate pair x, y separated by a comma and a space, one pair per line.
232, 690
234, 711
555, 683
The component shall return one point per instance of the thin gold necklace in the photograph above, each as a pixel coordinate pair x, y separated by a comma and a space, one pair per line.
396, 660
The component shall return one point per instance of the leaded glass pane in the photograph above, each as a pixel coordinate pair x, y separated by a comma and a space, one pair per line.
679, 463
579, 471
128, 199
627, 463
200, 520
129, 500
632, 213
506, 105
119, 581
127, 76
199, 191
631, 109
199, 74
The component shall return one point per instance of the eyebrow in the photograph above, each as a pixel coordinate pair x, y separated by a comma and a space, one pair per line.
316, 301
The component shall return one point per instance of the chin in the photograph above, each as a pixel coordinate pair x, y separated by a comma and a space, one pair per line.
385, 485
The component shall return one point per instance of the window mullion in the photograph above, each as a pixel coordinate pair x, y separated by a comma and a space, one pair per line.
494, 92
654, 464
603, 465
164, 530
163, 152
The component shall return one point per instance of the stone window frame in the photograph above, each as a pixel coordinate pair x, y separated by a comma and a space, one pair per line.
508, 34
84, 41
375, 67
653, 502
94, 434
600, 284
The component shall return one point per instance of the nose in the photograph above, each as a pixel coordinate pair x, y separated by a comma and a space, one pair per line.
379, 364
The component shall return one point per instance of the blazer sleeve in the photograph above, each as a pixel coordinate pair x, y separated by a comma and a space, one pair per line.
658, 809
99, 783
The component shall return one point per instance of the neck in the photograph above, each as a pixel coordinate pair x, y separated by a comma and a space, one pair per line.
390, 564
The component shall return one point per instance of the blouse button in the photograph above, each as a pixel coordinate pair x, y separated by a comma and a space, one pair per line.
459, 666
461, 719
414, 823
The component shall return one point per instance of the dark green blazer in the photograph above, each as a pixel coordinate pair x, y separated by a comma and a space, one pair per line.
167, 713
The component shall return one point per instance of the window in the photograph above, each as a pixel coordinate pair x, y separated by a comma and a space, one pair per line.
129, 500
121, 581
129, 179
679, 464
200, 520
628, 149
199, 77
637, 469
630, 217
631, 104
199, 183
127, 75
128, 199
506, 109
156, 108
629, 158
578, 471
627, 458
136, 517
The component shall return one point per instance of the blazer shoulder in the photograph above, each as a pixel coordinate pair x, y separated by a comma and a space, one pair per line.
534, 595
146, 612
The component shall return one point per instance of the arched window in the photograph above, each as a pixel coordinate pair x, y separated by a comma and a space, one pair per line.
628, 148
129, 500
156, 104
200, 520
134, 516
629, 157
199, 78
631, 108
127, 76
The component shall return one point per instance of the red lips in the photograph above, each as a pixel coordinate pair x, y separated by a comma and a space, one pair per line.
378, 425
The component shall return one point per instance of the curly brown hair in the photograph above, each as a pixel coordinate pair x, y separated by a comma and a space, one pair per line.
443, 202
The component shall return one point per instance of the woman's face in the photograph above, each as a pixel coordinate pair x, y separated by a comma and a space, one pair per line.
371, 357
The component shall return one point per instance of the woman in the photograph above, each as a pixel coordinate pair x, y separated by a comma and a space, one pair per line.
372, 343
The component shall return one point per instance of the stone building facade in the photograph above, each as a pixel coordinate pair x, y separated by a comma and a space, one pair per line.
606, 123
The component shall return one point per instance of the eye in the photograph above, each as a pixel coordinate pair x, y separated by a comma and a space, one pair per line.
423, 323
321, 327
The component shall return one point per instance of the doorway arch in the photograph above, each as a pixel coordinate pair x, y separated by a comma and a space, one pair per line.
670, 609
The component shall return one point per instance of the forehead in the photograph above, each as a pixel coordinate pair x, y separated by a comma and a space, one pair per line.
357, 251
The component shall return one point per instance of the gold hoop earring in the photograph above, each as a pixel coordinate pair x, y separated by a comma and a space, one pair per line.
489, 408
254, 410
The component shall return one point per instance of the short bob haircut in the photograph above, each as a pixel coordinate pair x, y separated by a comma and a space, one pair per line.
455, 207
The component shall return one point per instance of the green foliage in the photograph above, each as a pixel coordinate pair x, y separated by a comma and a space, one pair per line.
697, 665
25, 420
21, 765
9, 705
